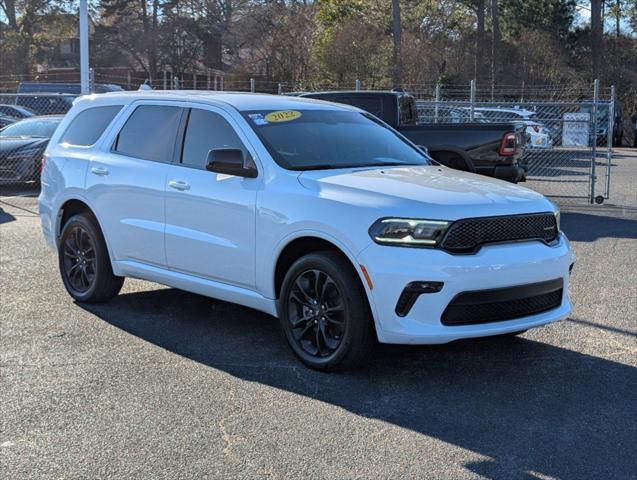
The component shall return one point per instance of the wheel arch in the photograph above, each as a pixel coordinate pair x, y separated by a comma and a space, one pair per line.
308, 242
462, 155
72, 206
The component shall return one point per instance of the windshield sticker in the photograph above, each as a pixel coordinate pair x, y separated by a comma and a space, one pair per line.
282, 116
258, 119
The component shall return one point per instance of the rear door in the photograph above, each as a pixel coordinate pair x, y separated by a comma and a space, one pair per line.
210, 217
126, 182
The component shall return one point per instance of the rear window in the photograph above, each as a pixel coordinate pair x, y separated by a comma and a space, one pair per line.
89, 125
150, 133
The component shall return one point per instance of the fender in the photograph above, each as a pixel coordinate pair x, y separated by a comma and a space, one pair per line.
276, 253
76, 195
465, 160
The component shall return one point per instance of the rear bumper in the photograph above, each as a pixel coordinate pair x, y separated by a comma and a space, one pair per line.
509, 173
493, 267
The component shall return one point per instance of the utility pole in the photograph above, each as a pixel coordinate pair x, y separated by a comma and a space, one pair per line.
84, 74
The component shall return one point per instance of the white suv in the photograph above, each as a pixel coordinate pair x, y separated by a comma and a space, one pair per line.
316, 213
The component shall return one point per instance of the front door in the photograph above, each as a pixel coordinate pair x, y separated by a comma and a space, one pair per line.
210, 217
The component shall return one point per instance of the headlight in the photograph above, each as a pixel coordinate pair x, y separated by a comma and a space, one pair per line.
408, 232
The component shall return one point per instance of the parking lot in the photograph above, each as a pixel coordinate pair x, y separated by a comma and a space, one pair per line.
160, 383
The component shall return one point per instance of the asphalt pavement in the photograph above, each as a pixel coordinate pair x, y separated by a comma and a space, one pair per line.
161, 383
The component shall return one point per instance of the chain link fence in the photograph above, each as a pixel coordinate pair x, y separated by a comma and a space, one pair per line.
569, 131
568, 135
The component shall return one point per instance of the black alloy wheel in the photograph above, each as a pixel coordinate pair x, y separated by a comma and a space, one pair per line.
316, 313
324, 312
79, 260
84, 261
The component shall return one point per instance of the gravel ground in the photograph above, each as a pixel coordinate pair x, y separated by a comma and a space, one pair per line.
160, 383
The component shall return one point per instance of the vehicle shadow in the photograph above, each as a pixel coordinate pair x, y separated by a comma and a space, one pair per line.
5, 217
532, 408
583, 227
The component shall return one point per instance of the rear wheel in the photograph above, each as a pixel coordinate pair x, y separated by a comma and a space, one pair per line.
324, 312
84, 262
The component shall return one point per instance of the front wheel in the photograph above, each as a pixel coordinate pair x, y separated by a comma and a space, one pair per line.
324, 312
84, 261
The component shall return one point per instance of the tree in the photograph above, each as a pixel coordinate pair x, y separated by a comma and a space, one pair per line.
397, 37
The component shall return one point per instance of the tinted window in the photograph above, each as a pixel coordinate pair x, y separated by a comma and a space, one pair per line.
324, 139
206, 131
150, 133
89, 125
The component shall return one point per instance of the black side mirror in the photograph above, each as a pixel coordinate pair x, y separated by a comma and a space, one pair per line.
229, 161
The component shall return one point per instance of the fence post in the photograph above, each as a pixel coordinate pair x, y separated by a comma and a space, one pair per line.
252, 85
91, 80
221, 79
165, 85
280, 89
194, 80
436, 104
609, 139
175, 82
594, 140
128, 79
358, 85
472, 99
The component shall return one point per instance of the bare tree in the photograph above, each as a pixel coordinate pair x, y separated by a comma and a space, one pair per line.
397, 37
495, 41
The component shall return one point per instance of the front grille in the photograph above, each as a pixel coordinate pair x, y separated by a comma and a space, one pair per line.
468, 235
486, 306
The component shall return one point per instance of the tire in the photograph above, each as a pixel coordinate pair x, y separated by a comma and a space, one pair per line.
84, 262
326, 337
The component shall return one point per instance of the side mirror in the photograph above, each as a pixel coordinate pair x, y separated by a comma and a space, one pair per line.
229, 161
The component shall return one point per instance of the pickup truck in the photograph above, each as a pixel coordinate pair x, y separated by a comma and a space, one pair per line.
491, 149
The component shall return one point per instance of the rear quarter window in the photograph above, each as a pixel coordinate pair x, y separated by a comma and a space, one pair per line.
87, 127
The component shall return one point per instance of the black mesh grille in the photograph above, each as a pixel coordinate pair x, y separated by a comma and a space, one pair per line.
466, 236
483, 307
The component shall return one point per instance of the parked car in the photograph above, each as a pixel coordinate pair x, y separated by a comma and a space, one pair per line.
317, 213
46, 103
22, 145
491, 149
603, 109
65, 87
5, 120
537, 134
16, 111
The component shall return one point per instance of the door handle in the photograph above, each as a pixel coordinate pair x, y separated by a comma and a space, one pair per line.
101, 171
179, 185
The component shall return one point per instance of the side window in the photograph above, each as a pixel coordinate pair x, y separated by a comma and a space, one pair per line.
89, 125
150, 133
206, 131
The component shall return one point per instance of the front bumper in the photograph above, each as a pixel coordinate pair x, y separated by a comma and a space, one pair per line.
493, 267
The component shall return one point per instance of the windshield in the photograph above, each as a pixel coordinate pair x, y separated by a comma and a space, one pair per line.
36, 127
324, 139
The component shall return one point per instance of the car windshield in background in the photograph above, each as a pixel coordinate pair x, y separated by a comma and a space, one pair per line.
325, 139
35, 127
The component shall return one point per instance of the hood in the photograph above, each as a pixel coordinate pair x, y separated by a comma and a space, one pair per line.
425, 191
9, 145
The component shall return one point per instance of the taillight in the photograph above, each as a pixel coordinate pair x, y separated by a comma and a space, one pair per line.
45, 157
508, 144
